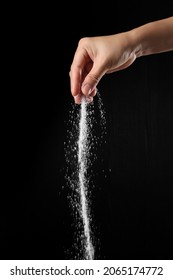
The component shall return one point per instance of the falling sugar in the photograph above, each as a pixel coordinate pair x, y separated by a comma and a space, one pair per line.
80, 155
82, 162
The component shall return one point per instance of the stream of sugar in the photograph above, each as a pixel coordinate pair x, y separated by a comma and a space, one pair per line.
82, 162
80, 154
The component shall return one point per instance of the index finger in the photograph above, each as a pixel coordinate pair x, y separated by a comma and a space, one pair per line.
80, 59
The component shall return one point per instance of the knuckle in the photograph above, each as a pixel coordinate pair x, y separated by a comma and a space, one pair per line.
84, 41
93, 78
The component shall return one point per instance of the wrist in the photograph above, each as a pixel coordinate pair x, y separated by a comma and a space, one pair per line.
136, 42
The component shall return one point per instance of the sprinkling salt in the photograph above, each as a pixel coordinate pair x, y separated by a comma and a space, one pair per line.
83, 164
80, 154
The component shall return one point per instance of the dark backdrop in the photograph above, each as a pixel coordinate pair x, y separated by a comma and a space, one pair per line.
132, 201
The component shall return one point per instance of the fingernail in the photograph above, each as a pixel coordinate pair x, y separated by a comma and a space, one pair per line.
77, 99
86, 89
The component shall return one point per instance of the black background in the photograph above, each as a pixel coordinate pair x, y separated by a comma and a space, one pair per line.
132, 205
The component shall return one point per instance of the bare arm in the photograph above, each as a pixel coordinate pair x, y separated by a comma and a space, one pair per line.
97, 56
154, 37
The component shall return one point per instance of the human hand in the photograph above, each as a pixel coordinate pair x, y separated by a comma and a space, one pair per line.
96, 56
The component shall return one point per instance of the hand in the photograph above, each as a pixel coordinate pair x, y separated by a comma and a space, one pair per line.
96, 56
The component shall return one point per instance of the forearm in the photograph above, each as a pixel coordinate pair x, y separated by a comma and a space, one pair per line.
153, 37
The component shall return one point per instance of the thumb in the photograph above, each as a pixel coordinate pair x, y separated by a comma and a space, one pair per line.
92, 79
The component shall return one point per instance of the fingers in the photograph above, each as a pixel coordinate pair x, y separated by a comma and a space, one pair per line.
86, 72
89, 85
78, 99
75, 81
93, 92
92, 79
81, 59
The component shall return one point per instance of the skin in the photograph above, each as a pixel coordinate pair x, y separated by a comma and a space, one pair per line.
97, 56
